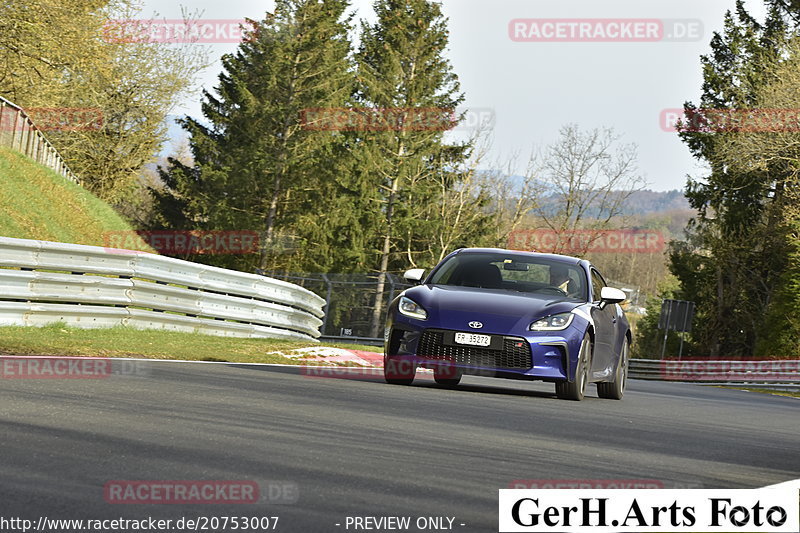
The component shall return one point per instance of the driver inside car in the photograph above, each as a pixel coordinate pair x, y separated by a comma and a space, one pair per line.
559, 278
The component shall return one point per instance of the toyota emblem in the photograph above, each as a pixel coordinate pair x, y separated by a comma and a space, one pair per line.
475, 325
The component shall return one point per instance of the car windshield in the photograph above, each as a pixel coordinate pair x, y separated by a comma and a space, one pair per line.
513, 273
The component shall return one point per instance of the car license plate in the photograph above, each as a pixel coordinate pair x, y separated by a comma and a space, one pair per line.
473, 339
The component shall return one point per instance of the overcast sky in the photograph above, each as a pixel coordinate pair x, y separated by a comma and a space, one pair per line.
531, 88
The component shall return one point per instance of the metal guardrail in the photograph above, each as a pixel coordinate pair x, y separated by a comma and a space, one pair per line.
18, 131
774, 374
89, 286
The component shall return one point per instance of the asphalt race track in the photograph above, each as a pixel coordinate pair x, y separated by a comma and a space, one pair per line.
359, 447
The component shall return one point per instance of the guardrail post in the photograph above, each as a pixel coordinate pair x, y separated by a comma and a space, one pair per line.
14, 129
666, 331
683, 332
28, 141
22, 132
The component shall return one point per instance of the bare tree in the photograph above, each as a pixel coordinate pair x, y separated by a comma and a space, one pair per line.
513, 197
582, 182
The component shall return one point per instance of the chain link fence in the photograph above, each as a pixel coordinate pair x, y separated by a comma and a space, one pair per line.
350, 301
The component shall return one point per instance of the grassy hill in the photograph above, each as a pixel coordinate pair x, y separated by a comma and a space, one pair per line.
37, 203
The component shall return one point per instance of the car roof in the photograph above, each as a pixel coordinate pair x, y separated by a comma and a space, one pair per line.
523, 253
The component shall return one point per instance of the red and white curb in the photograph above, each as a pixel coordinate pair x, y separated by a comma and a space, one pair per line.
327, 354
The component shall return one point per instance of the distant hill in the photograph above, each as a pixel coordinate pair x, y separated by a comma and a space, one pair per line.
647, 202
37, 203
644, 202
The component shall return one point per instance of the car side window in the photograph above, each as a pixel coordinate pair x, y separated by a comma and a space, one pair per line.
597, 285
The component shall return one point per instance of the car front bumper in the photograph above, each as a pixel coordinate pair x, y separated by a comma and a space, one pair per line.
548, 356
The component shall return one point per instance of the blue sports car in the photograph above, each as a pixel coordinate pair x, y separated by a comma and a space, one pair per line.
510, 314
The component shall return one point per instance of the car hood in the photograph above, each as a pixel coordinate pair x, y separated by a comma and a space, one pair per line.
500, 312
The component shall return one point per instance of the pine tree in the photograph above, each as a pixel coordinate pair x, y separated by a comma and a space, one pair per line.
405, 79
257, 160
736, 253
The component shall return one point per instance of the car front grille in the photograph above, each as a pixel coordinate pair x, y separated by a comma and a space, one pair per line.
516, 352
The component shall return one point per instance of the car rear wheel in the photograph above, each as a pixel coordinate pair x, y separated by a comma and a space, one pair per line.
615, 390
576, 389
399, 370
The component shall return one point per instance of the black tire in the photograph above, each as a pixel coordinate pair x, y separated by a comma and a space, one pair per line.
446, 374
615, 390
399, 370
575, 390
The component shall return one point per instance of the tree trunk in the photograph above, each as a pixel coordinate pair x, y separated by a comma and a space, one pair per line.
715, 344
269, 231
377, 309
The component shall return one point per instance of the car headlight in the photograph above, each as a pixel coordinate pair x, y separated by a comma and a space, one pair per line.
553, 322
411, 308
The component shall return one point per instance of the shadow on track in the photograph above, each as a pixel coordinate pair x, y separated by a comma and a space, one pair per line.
375, 375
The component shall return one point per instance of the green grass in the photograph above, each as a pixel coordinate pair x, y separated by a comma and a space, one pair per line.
37, 203
60, 340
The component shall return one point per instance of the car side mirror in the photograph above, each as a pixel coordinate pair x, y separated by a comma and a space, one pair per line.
415, 274
610, 295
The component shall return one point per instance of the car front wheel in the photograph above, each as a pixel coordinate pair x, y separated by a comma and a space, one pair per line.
446, 375
399, 370
576, 389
